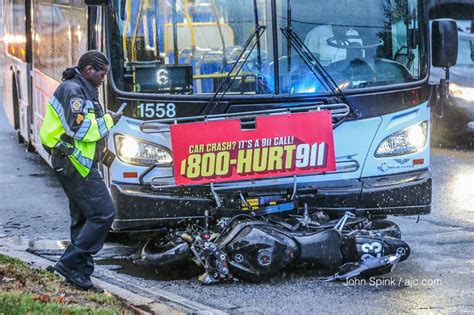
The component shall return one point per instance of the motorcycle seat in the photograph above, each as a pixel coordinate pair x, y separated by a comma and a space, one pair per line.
322, 248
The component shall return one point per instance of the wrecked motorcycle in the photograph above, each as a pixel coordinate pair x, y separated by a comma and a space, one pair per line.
253, 248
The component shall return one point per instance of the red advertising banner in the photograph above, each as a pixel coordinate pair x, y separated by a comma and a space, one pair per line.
280, 145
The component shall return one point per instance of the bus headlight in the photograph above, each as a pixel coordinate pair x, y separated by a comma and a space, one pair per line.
138, 152
407, 141
466, 93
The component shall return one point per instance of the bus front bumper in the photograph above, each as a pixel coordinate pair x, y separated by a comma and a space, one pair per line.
143, 208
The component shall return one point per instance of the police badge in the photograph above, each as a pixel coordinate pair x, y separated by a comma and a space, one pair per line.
76, 105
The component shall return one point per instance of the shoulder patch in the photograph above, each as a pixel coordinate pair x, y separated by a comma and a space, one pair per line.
76, 104
79, 119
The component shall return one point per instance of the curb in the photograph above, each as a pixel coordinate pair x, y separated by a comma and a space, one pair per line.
160, 302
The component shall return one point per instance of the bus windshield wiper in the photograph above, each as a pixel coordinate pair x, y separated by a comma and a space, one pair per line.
316, 68
226, 84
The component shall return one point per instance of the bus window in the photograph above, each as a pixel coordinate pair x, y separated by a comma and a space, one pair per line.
375, 43
78, 15
359, 48
209, 36
43, 36
15, 38
466, 50
317, 42
61, 38
404, 46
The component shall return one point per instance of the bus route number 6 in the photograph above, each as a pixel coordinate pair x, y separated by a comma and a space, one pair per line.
156, 110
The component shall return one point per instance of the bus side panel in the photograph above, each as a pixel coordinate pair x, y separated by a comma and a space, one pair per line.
15, 68
7, 90
22, 90
43, 87
15, 96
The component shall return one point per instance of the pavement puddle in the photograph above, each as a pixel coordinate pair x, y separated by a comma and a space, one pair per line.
138, 270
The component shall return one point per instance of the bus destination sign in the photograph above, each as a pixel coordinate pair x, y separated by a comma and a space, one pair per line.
280, 145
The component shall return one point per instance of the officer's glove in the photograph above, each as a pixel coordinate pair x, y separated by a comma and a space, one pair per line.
61, 150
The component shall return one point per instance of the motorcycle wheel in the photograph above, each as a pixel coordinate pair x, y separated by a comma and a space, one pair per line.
386, 228
163, 251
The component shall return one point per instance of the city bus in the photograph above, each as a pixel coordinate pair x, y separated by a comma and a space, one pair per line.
227, 103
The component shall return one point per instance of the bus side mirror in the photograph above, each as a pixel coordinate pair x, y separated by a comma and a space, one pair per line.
97, 2
444, 38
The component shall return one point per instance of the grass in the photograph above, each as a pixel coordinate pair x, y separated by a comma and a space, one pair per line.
23, 303
24, 290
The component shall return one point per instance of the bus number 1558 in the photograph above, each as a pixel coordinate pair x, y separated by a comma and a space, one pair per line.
156, 110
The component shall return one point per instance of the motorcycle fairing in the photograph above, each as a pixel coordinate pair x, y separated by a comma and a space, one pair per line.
367, 268
257, 250
363, 247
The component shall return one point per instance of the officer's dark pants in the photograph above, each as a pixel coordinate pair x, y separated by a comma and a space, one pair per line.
92, 213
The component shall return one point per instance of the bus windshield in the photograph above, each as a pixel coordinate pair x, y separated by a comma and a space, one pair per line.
191, 46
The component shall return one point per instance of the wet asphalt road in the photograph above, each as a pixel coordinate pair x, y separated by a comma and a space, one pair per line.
438, 276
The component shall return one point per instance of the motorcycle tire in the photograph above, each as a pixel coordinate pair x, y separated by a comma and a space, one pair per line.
163, 252
386, 228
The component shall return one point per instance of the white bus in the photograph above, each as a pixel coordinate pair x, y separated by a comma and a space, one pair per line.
179, 62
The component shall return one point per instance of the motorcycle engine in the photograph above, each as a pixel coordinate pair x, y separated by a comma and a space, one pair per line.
257, 250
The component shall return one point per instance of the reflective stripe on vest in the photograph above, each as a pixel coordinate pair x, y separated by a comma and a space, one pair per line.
91, 130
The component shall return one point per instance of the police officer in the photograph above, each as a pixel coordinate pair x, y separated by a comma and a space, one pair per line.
74, 131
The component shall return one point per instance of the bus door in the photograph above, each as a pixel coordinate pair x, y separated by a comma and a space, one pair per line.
29, 76
16, 70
